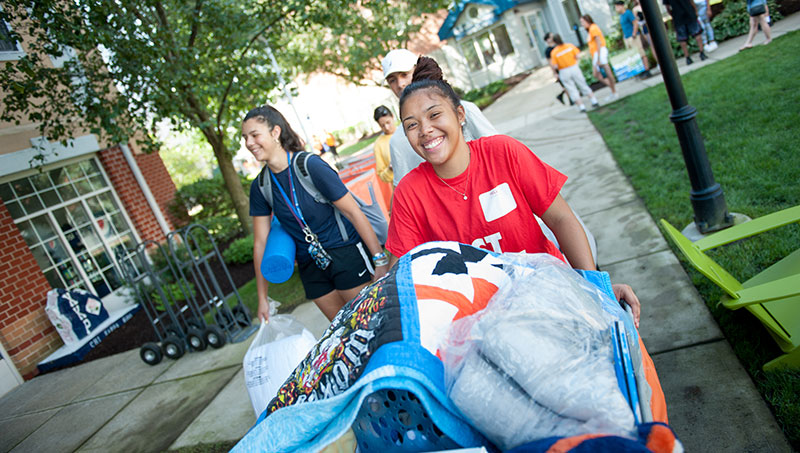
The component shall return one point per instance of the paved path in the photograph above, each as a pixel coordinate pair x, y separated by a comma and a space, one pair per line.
121, 404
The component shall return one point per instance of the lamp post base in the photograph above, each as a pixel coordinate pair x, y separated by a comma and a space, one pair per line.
693, 233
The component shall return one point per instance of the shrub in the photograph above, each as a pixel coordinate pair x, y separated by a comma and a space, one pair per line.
240, 251
211, 194
173, 292
585, 64
735, 21
483, 96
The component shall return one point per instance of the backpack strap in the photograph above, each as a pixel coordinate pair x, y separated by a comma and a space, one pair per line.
266, 185
300, 165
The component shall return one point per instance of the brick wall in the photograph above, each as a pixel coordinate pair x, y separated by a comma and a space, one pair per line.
130, 193
159, 181
25, 330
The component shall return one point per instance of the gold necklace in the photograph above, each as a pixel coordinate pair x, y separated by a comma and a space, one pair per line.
466, 187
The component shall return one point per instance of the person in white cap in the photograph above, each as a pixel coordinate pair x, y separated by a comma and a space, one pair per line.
398, 67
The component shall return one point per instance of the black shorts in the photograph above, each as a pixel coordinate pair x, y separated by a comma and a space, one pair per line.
351, 266
683, 31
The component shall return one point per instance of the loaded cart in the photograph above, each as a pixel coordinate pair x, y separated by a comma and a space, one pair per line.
458, 347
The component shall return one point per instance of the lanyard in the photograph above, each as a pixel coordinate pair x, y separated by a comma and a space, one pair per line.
293, 205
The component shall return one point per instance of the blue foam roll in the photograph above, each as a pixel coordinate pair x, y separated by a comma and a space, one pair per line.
277, 265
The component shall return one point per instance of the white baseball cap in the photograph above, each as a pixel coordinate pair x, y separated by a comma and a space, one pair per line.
398, 60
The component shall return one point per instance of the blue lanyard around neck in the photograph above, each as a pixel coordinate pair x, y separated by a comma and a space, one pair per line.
293, 205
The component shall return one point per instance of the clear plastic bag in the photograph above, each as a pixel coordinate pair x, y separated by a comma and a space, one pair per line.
538, 361
279, 346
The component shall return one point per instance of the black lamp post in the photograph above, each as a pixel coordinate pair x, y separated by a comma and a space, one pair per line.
708, 201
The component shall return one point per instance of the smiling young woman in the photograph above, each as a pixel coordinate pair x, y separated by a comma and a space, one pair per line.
486, 192
333, 266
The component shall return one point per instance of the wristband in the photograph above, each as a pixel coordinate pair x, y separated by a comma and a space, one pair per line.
380, 259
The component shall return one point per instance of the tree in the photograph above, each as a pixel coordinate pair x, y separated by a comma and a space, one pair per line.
198, 64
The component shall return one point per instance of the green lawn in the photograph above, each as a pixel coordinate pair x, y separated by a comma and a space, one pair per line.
289, 293
749, 115
358, 146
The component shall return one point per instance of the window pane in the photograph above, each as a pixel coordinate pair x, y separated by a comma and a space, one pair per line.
67, 192
83, 187
43, 227
107, 201
41, 181
22, 187
487, 49
59, 176
50, 198
101, 257
27, 233
5, 192
118, 221
98, 182
503, 41
74, 172
112, 276
15, 210
90, 167
41, 257
56, 252
53, 277
471, 55
78, 214
31, 204
95, 207
89, 237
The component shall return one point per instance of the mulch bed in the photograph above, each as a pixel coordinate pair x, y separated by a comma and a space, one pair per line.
138, 330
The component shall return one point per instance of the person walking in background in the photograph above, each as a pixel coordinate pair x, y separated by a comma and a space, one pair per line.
599, 51
758, 11
547, 53
684, 19
630, 31
704, 17
564, 61
398, 66
383, 158
330, 140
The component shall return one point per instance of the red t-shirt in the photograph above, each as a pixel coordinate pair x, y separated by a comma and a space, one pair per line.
507, 185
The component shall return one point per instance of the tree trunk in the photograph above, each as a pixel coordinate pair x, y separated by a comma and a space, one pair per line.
241, 202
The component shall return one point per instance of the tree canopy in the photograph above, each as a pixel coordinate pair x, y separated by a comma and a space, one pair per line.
122, 66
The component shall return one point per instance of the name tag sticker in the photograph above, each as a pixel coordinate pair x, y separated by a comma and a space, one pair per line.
497, 202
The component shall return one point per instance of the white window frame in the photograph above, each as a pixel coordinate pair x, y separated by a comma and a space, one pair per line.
11, 55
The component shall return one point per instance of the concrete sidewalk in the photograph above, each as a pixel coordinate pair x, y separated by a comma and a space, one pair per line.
121, 404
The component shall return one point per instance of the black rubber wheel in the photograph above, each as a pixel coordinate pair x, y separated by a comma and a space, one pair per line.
215, 337
241, 315
173, 347
196, 339
150, 353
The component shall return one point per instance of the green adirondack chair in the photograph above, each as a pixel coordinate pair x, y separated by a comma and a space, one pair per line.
772, 296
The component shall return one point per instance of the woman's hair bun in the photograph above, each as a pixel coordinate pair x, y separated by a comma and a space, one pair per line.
427, 69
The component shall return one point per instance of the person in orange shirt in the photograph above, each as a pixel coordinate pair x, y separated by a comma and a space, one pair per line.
599, 51
564, 61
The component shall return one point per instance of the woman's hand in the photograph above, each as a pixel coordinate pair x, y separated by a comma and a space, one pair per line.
380, 271
625, 292
263, 310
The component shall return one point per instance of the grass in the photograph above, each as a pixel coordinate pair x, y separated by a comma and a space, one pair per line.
748, 115
358, 146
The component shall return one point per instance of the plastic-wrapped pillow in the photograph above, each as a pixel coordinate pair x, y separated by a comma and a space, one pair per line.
538, 361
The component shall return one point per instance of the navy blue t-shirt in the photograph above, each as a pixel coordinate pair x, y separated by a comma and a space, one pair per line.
319, 216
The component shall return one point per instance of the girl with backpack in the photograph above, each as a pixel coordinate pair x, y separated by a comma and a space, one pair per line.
334, 265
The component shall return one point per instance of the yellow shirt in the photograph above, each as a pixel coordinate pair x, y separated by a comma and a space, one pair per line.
594, 32
564, 56
383, 159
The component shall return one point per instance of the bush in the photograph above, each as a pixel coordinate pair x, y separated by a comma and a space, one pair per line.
211, 194
173, 292
240, 251
585, 64
484, 96
735, 21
